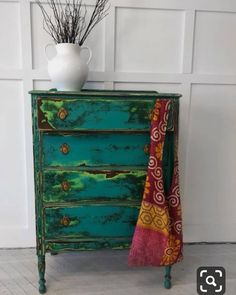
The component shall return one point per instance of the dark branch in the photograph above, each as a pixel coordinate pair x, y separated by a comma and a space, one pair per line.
68, 21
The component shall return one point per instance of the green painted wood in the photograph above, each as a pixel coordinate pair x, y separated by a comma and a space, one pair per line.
169, 147
101, 128
40, 243
99, 114
95, 149
41, 270
98, 93
167, 279
96, 244
130, 94
90, 221
168, 161
40, 246
93, 185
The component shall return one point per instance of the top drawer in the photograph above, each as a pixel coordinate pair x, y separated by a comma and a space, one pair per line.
95, 114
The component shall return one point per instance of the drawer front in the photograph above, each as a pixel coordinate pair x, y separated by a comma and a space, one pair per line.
90, 221
97, 114
94, 244
95, 149
63, 186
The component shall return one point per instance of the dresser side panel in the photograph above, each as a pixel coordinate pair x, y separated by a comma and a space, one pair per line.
40, 244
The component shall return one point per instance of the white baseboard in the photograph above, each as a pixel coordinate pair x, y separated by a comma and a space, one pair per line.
17, 237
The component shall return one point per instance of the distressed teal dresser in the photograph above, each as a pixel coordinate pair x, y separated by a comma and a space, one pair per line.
90, 161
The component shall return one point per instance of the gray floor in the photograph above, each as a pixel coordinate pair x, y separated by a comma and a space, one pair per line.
106, 272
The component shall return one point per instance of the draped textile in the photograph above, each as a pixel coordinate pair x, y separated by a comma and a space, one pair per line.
157, 239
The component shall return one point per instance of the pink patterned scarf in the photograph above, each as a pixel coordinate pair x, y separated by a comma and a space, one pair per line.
157, 239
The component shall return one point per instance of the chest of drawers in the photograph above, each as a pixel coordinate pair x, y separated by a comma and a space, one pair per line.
90, 161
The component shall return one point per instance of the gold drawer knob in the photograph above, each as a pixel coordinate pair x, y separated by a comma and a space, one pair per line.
65, 221
65, 186
150, 116
146, 149
64, 148
62, 114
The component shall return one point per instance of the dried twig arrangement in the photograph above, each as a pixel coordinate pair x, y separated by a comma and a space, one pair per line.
68, 21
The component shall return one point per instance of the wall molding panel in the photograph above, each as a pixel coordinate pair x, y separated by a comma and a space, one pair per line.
165, 45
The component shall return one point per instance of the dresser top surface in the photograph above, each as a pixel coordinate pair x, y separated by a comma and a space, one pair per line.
107, 93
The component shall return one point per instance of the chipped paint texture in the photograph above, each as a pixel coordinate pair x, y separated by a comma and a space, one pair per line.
91, 221
90, 167
95, 149
93, 185
86, 114
100, 114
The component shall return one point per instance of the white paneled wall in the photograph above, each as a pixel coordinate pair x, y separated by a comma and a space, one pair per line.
142, 45
186, 46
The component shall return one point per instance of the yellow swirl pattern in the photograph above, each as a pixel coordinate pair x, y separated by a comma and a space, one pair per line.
154, 218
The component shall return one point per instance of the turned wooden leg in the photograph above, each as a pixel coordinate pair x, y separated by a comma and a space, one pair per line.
41, 269
167, 281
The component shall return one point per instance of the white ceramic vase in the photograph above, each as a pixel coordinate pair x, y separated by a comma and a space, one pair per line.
67, 70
